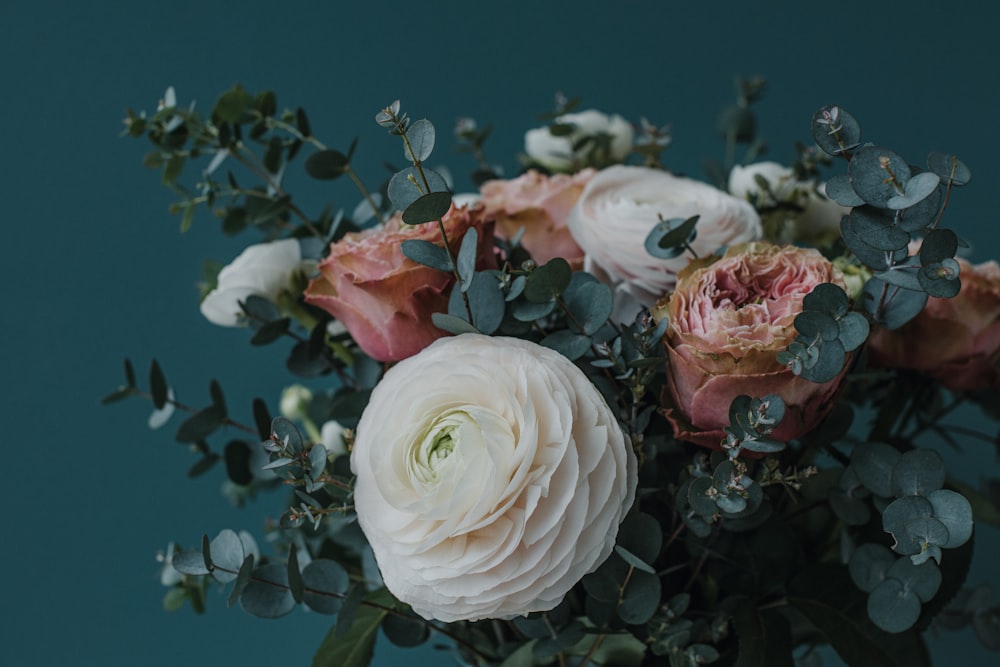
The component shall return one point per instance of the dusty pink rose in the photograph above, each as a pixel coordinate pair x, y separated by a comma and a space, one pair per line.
728, 320
384, 299
957, 340
540, 205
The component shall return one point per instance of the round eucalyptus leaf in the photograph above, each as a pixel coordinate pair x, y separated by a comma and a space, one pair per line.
486, 301
670, 238
941, 279
955, 512
869, 564
590, 304
854, 330
872, 257
267, 595
949, 168
919, 216
325, 584
829, 364
926, 531
699, 499
641, 535
816, 324
873, 464
899, 305
835, 130
227, 554
893, 607
876, 230
405, 632
420, 138
528, 311
901, 513
407, 186
839, 189
427, 208
568, 343
828, 298
604, 584
938, 245
917, 473
878, 174
640, 599
286, 432
917, 189
189, 562
923, 579
731, 503
548, 280
327, 165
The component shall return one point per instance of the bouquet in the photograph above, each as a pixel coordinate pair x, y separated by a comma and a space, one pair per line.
599, 413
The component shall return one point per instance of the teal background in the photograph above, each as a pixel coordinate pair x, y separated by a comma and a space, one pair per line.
94, 268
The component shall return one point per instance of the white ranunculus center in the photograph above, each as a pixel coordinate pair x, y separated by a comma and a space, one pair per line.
432, 454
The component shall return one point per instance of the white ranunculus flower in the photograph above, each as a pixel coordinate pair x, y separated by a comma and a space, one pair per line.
780, 179
556, 153
261, 270
491, 477
621, 205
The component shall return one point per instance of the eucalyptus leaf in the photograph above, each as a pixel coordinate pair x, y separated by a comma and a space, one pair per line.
189, 562
835, 130
407, 186
452, 324
640, 598
917, 189
327, 165
899, 516
267, 594
242, 579
924, 580
420, 141
466, 262
955, 512
838, 188
486, 301
355, 647
949, 168
869, 565
873, 464
568, 343
227, 554
877, 174
893, 607
158, 385
427, 208
917, 473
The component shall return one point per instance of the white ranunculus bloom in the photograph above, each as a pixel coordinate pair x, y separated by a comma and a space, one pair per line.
491, 477
621, 205
556, 153
261, 270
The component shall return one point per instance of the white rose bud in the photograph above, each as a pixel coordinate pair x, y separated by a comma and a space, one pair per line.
491, 477
332, 436
261, 270
780, 180
295, 401
556, 153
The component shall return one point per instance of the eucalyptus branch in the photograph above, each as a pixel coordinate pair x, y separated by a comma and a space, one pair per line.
225, 421
269, 179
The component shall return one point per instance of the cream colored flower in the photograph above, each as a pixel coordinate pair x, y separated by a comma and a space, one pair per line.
491, 477
261, 270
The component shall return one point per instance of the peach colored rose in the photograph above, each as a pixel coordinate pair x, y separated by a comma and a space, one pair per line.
728, 321
957, 340
385, 299
540, 205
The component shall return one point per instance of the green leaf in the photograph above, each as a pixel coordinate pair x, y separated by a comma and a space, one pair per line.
201, 424
917, 473
568, 343
326, 583
835, 130
873, 464
302, 122
590, 305
242, 579
924, 579
548, 281
899, 516
640, 598
355, 647
854, 330
227, 553
405, 632
452, 324
869, 565
845, 635
486, 302
271, 331
466, 262
633, 560
236, 456
187, 218
172, 171
838, 188
949, 168
938, 245
262, 419
955, 512
189, 562
917, 189
420, 136
427, 208
267, 594
117, 395
406, 186
893, 607
284, 430
427, 253
233, 106
828, 298
817, 324
327, 165
670, 238
158, 386
878, 174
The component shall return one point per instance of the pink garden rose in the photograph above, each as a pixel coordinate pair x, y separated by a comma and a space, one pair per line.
385, 299
540, 205
957, 340
619, 208
728, 321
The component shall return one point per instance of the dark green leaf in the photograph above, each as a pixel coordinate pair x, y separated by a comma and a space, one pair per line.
158, 386
203, 465
326, 583
634, 560
233, 106
938, 245
814, 323
670, 238
878, 174
873, 464
262, 418
172, 171
267, 594
918, 472
201, 424
854, 330
526, 311
893, 607
227, 555
590, 304
955, 512
949, 168
899, 516
466, 262
899, 305
827, 298
117, 395
486, 302
839, 189
548, 280
302, 122
427, 208
237, 457
355, 647
285, 431
876, 230
835, 130
568, 343
924, 579
420, 138
271, 331
405, 632
189, 562
869, 564
242, 579
327, 165
917, 189
406, 186
452, 324
640, 598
